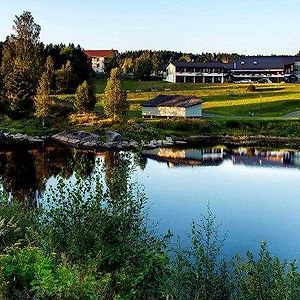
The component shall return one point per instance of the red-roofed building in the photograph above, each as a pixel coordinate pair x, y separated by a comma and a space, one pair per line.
99, 57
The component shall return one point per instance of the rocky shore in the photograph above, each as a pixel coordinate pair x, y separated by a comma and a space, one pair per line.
114, 140
111, 140
87, 140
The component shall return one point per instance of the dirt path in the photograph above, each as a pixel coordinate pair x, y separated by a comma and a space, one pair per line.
292, 115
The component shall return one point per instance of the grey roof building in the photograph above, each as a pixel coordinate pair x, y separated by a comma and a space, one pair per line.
250, 68
173, 106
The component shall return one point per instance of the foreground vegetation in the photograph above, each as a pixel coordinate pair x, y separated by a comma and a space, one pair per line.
91, 239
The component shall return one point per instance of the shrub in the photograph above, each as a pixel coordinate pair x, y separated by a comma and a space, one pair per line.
197, 272
29, 274
251, 88
85, 98
84, 223
15, 225
90, 118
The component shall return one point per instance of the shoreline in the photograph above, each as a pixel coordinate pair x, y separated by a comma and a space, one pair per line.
113, 140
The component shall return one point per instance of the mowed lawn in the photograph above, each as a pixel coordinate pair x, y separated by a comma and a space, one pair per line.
269, 100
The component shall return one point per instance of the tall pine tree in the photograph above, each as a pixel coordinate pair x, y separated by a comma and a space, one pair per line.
63, 78
42, 99
21, 63
115, 98
85, 98
50, 70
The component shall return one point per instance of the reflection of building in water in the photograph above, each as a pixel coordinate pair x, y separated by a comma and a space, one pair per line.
296, 158
264, 158
187, 157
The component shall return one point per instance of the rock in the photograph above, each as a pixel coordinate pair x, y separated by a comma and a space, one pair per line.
167, 143
80, 138
113, 136
19, 137
133, 144
110, 145
91, 144
125, 144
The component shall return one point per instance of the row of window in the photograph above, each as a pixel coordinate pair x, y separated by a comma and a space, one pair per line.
199, 79
258, 74
199, 70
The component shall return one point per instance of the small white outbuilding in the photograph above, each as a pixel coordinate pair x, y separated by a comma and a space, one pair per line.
173, 106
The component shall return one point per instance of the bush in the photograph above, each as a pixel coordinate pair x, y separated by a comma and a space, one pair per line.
85, 98
28, 274
90, 118
84, 223
251, 88
15, 225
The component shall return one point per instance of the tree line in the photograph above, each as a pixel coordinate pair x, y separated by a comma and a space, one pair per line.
30, 73
146, 64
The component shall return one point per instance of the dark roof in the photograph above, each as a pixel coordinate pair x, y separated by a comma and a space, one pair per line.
212, 64
101, 53
263, 62
173, 101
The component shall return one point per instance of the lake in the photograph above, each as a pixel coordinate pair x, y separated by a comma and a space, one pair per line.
253, 191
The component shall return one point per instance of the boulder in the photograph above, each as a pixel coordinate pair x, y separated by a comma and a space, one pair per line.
113, 136
80, 138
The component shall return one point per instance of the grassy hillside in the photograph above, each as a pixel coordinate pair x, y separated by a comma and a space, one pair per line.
269, 100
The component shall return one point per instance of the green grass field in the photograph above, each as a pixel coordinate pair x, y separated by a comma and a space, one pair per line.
227, 100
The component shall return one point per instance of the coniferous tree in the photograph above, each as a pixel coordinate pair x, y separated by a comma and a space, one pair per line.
50, 70
185, 58
115, 98
143, 66
85, 98
42, 99
127, 65
21, 63
63, 78
20, 85
113, 62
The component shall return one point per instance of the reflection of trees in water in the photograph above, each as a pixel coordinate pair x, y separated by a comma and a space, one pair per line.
117, 173
84, 163
18, 175
140, 160
24, 172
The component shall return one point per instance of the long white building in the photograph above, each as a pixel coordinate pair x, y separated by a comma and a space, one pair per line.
255, 68
195, 72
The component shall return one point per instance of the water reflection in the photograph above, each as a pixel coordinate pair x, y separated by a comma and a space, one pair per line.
215, 156
254, 190
187, 157
24, 172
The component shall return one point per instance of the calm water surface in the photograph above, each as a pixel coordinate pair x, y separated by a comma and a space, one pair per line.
253, 192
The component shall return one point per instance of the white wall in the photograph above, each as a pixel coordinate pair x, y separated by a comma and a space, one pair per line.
171, 71
192, 111
297, 69
98, 64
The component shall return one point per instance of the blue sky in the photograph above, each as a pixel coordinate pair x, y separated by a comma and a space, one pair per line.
243, 26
